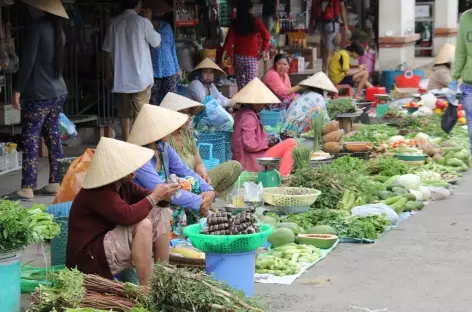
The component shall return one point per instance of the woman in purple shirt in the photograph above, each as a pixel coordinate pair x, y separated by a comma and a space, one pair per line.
150, 129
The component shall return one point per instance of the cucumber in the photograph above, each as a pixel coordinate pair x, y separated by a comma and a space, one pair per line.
399, 190
410, 197
410, 206
392, 200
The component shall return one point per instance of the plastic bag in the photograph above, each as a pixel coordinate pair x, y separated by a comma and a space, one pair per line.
214, 117
276, 28
186, 250
31, 277
376, 209
439, 193
253, 194
449, 118
66, 126
72, 182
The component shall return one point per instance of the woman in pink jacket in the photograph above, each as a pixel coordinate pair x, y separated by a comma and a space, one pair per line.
278, 81
249, 141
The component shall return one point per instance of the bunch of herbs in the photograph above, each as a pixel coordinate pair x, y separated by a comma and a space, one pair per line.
16, 230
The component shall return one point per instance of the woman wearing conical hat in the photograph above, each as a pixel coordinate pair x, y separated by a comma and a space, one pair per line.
223, 176
40, 93
115, 224
249, 140
309, 104
203, 87
151, 129
442, 74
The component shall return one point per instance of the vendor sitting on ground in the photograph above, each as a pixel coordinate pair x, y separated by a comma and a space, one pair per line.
113, 223
278, 81
150, 129
249, 141
340, 70
311, 102
202, 87
223, 176
442, 74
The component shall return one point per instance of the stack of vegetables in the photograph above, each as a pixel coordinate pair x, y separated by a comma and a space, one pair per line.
172, 289
224, 223
20, 226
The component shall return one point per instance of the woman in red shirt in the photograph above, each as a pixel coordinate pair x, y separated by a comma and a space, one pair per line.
244, 36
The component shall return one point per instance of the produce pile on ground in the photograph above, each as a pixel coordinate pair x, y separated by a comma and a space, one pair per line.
387, 178
172, 289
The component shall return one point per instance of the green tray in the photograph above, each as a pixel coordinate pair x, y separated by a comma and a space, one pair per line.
226, 244
411, 157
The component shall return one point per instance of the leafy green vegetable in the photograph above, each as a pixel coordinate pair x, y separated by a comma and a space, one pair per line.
339, 106
301, 157
372, 133
387, 166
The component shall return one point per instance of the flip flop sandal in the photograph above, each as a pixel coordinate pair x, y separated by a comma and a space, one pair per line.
44, 192
15, 196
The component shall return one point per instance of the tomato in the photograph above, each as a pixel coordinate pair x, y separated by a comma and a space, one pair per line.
460, 113
460, 107
441, 104
462, 121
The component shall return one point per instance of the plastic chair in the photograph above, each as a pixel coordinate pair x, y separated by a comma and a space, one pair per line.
344, 89
207, 156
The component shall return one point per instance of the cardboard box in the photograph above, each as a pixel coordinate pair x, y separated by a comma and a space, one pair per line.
9, 115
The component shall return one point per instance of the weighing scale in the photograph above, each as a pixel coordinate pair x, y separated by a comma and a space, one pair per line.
347, 119
269, 177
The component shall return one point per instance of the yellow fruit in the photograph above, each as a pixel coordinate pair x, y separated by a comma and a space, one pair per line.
187, 253
438, 111
332, 147
462, 121
330, 127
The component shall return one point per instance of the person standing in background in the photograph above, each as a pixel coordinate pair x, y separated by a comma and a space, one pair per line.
127, 41
270, 13
244, 35
164, 58
40, 93
327, 16
461, 69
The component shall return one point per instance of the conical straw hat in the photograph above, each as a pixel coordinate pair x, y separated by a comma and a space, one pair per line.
446, 54
255, 92
178, 103
114, 160
320, 81
207, 63
154, 123
53, 7
157, 6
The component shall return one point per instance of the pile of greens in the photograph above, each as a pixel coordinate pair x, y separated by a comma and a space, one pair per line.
20, 226
372, 133
387, 166
340, 106
365, 227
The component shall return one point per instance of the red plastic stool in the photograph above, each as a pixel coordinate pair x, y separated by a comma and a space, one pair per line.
343, 90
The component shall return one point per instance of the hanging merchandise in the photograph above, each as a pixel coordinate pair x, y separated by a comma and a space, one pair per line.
9, 61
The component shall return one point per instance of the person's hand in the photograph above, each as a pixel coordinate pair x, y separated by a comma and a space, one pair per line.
207, 178
207, 199
147, 13
362, 67
164, 192
273, 141
15, 101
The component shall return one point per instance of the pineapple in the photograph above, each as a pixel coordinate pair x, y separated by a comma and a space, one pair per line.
330, 127
334, 136
332, 147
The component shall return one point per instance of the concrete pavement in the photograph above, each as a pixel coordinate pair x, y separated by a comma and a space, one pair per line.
423, 265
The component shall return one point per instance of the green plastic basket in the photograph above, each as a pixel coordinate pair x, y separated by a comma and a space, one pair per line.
226, 244
59, 243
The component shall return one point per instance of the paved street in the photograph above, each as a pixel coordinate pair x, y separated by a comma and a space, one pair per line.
423, 265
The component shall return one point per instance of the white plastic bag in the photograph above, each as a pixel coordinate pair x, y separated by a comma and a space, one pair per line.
376, 209
439, 193
429, 100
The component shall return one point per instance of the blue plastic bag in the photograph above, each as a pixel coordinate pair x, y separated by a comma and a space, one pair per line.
66, 126
214, 117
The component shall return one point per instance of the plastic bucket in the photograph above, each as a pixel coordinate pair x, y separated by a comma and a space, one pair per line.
10, 281
237, 269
